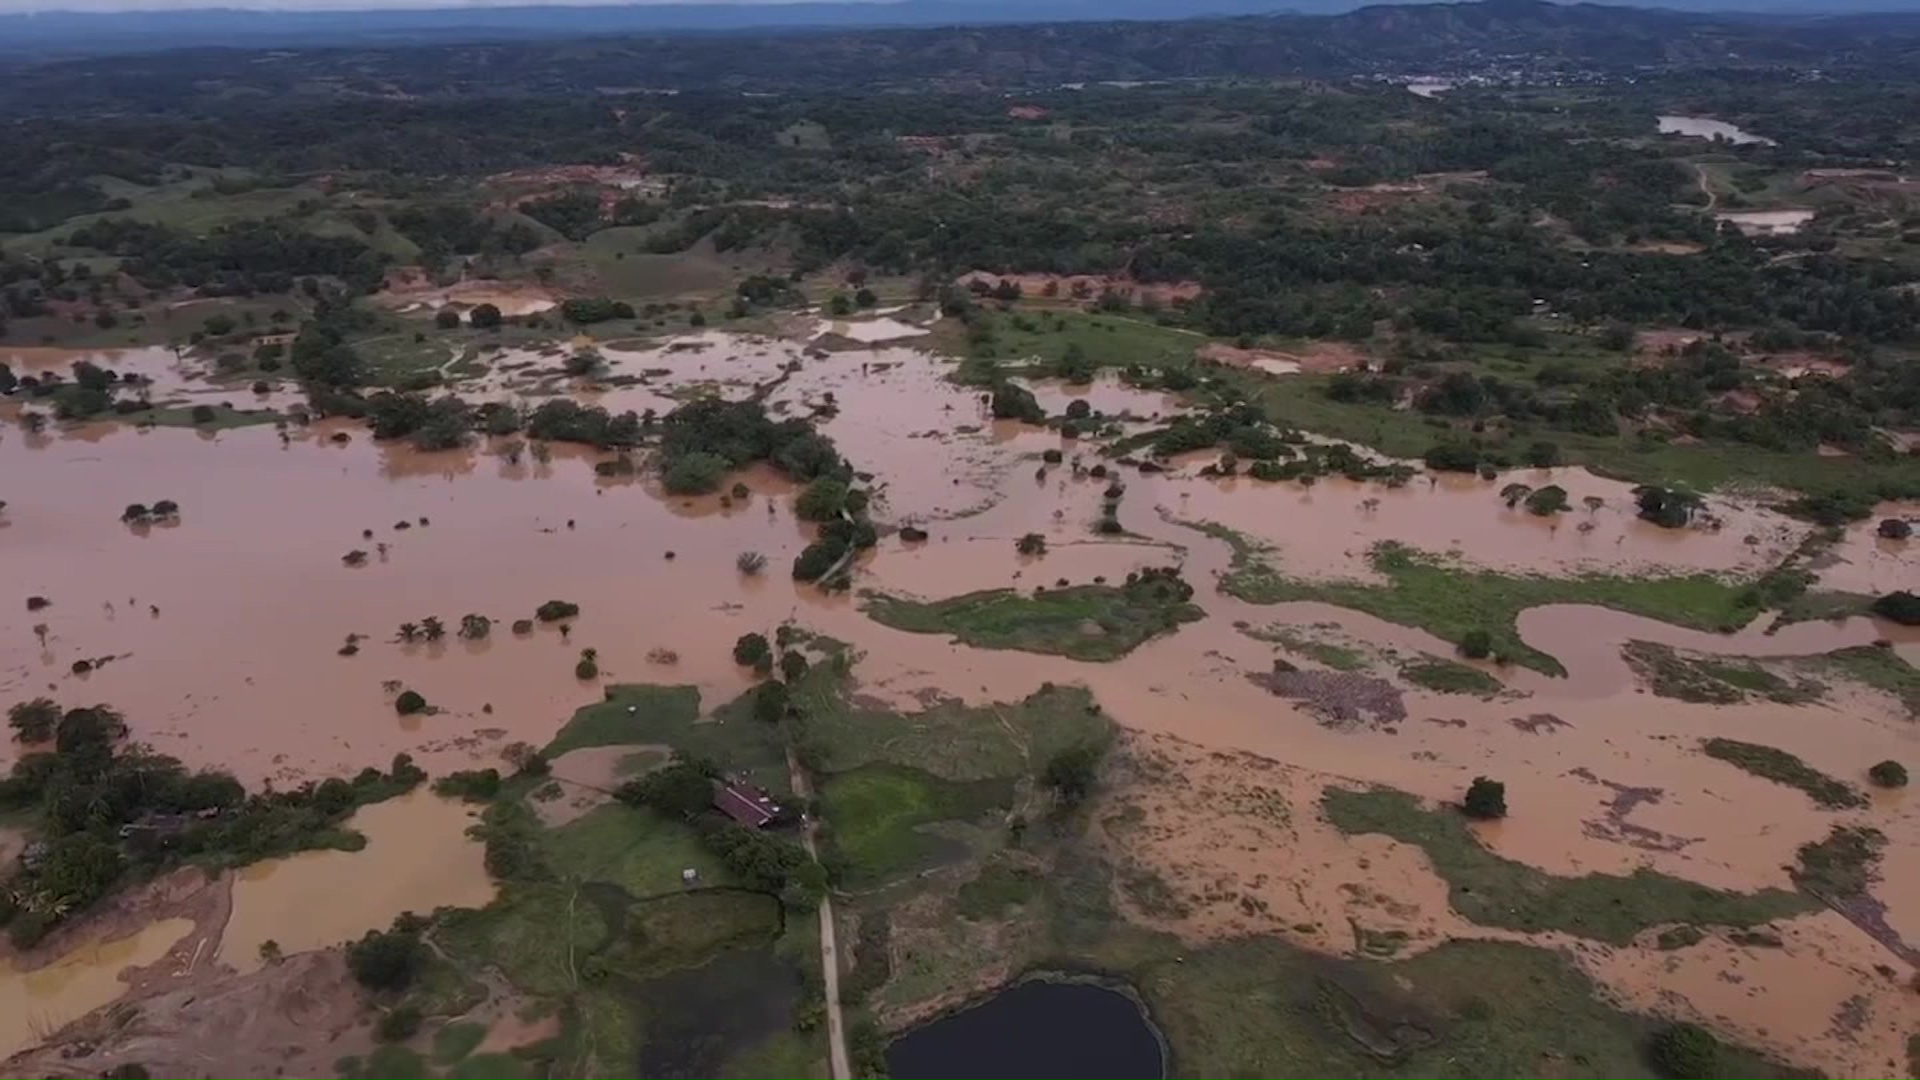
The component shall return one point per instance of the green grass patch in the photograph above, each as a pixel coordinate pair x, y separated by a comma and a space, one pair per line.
1450, 600
493, 1067
1258, 1007
1843, 865
533, 934
638, 850
457, 1040
1001, 884
1493, 891
877, 815
1044, 336
1770, 763
1447, 677
682, 930
1882, 669
792, 1054
1337, 656
630, 714
1084, 622
642, 714
949, 740
1670, 673
390, 1061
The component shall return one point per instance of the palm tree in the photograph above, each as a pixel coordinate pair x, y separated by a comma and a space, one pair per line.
432, 629
409, 631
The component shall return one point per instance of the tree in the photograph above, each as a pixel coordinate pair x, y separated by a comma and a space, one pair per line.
793, 666
1031, 544
1513, 493
1889, 774
1895, 529
475, 627
1476, 645
682, 789
432, 629
484, 317
409, 702
1547, 501
751, 649
839, 305
34, 721
1593, 503
589, 665
1685, 1052
750, 563
1071, 772
1543, 455
865, 298
696, 473
821, 500
1902, 607
1669, 508
447, 319
555, 610
386, 960
1486, 799
770, 701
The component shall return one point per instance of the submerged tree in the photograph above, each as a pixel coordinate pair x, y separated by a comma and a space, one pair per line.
1486, 799
475, 627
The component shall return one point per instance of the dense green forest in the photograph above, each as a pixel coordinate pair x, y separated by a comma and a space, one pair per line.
1517, 258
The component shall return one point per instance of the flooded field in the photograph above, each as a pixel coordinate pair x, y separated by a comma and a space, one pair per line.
1706, 127
417, 858
222, 635
36, 1003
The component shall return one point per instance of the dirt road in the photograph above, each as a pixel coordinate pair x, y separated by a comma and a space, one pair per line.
829, 949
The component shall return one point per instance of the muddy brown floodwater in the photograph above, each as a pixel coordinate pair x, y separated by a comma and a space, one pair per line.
418, 857
34, 1004
224, 631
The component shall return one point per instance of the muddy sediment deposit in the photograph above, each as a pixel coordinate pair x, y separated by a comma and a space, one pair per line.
227, 629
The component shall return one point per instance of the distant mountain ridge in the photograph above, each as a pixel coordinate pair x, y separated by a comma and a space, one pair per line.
143, 30
1503, 38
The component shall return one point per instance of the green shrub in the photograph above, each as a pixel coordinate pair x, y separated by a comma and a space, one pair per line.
1889, 774
696, 473
822, 500
1685, 1052
1486, 799
409, 702
398, 1023
555, 610
750, 649
1476, 645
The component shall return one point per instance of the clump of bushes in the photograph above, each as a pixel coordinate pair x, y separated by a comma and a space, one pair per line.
473, 785
409, 703
1486, 799
1902, 607
388, 960
555, 610
1889, 774
1476, 645
1685, 1052
751, 650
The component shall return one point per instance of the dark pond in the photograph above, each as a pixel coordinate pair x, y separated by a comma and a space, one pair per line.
1036, 1029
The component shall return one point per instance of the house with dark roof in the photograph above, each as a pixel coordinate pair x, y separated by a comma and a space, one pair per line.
744, 803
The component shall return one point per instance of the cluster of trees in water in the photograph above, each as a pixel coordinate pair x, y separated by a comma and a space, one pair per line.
108, 811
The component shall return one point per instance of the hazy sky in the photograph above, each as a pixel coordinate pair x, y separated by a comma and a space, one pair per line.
19, 6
